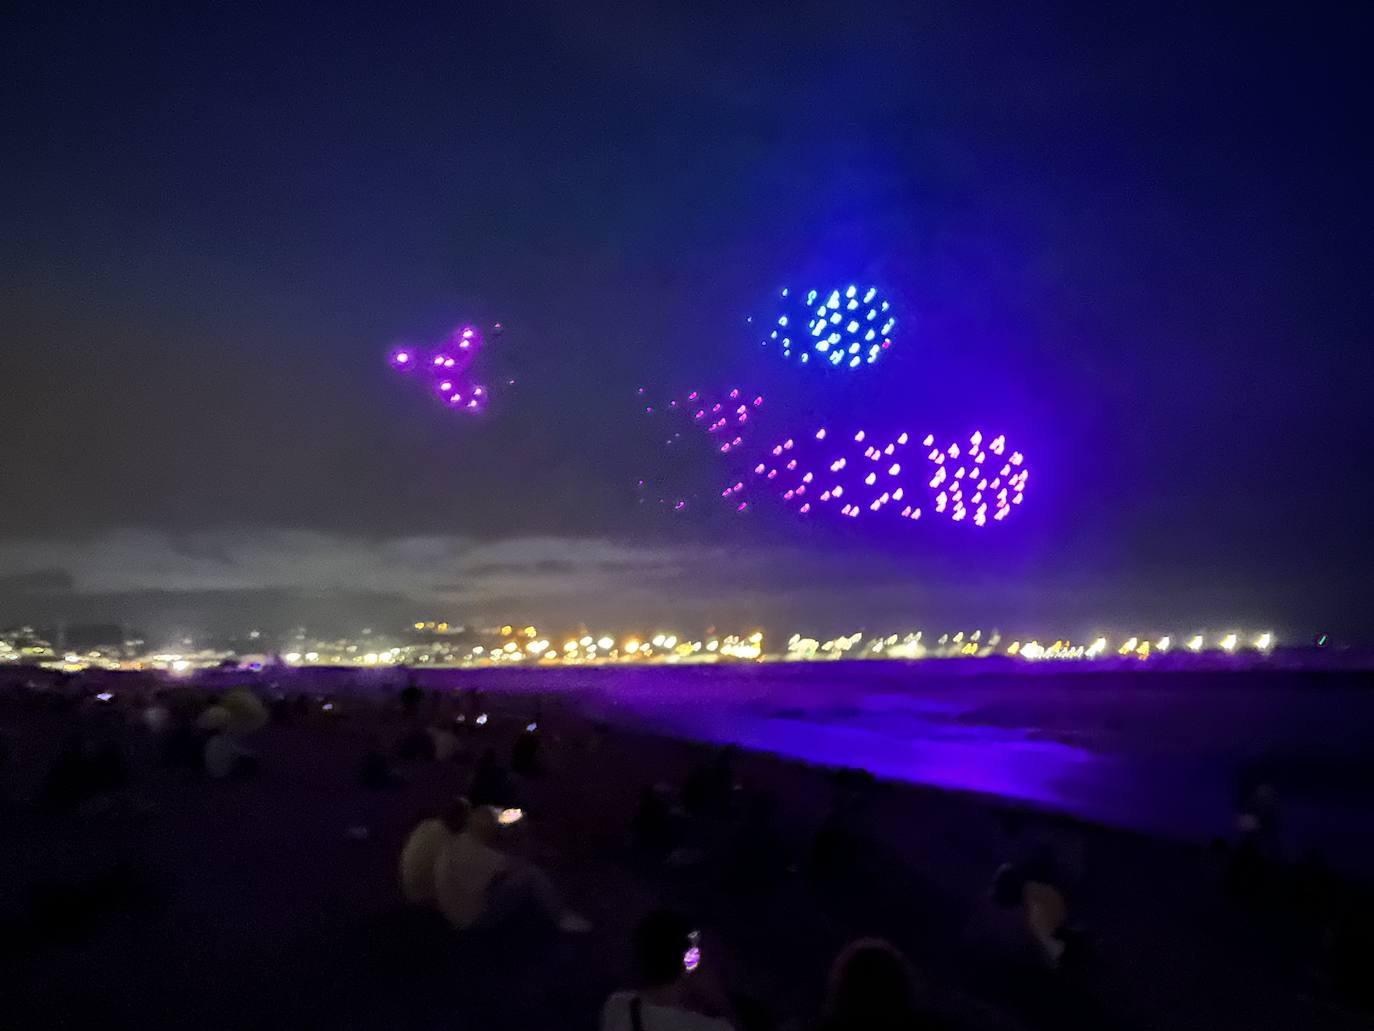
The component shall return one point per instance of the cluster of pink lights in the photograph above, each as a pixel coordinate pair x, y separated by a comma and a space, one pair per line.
858, 474
725, 419
448, 367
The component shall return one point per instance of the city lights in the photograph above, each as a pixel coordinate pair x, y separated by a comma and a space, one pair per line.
494, 647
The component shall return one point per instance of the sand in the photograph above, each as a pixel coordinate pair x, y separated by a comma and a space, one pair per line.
266, 904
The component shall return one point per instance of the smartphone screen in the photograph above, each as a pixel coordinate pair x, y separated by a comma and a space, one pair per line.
691, 959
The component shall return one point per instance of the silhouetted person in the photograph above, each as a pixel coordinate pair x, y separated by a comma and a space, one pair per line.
677, 990
375, 770
837, 849
653, 831
7, 765
707, 789
184, 744
82, 770
524, 756
1022, 940
757, 855
490, 782
69, 781
871, 988
282, 711
414, 740
472, 706
108, 766
420, 854
414, 743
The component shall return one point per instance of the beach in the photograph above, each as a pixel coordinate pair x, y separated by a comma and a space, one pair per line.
274, 902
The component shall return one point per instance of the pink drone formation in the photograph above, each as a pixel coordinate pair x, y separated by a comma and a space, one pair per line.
448, 368
862, 474
724, 418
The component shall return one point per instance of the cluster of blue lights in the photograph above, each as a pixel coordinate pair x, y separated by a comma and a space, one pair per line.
847, 328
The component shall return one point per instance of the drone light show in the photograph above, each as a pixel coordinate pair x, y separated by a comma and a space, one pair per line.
448, 369
699, 428
844, 328
859, 474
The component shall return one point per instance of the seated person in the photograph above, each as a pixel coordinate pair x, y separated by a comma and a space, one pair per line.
445, 743
226, 758
1023, 921
421, 851
157, 718
676, 993
476, 885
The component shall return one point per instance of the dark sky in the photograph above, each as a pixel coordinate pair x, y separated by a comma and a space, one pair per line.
1139, 241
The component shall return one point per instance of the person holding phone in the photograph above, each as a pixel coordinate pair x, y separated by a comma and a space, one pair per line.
454, 864
677, 990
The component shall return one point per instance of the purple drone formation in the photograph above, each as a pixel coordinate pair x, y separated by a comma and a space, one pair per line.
448, 368
724, 419
859, 473
845, 328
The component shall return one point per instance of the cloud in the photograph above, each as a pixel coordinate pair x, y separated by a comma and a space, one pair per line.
454, 570
221, 579
36, 581
226, 579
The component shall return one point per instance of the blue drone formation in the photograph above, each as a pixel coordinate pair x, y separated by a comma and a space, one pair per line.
845, 328
810, 470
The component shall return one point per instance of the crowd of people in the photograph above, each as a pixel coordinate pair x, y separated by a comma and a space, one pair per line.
464, 869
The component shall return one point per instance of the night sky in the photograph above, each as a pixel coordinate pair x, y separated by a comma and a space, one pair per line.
1138, 242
